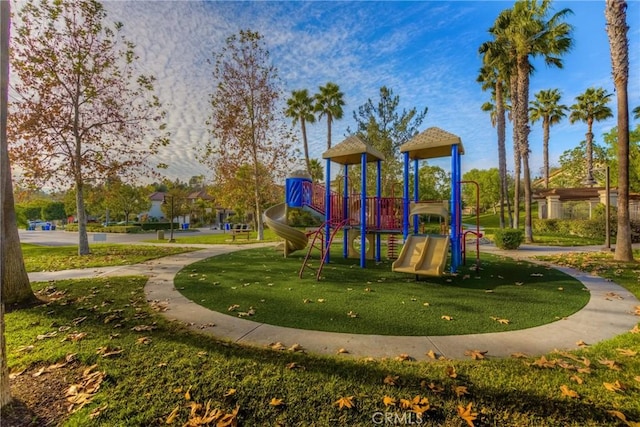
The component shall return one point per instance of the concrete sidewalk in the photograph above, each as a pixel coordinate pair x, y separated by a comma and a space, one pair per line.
608, 313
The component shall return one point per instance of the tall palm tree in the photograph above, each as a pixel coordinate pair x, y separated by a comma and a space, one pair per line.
617, 28
329, 102
591, 106
531, 33
636, 113
546, 107
300, 109
491, 78
317, 171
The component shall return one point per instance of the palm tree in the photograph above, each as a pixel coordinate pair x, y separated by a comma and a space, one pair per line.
329, 102
530, 33
300, 108
636, 112
546, 107
617, 28
317, 171
490, 78
591, 106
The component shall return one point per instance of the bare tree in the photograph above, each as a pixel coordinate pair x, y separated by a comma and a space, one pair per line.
82, 112
246, 125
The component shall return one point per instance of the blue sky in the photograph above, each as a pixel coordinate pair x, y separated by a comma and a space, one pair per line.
426, 52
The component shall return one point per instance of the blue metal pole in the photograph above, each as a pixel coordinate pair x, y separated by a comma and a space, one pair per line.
363, 214
345, 209
455, 205
405, 198
378, 212
416, 195
327, 209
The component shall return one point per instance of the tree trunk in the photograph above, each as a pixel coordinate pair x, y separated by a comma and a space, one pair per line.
306, 145
516, 152
5, 392
328, 131
522, 122
15, 282
545, 149
502, 154
615, 13
83, 238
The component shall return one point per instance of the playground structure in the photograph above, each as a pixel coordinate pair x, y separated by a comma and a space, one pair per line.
365, 218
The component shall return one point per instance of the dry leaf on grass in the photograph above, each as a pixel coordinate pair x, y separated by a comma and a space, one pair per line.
294, 365
344, 402
611, 364
460, 390
172, 416
276, 402
446, 317
614, 387
576, 379
78, 395
230, 392
466, 414
277, 346
566, 391
343, 351
432, 354
519, 355
391, 380
451, 372
626, 352
388, 401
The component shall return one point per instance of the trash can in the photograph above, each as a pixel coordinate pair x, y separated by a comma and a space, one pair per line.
227, 226
185, 226
160, 234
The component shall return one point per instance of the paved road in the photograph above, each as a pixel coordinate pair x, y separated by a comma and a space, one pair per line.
66, 238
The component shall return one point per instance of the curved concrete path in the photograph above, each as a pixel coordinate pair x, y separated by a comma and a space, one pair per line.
608, 313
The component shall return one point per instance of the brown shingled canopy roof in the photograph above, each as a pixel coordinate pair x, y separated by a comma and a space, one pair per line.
433, 142
350, 151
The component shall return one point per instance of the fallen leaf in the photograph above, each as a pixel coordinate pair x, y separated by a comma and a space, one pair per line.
172, 416
404, 357
143, 340
352, 314
576, 379
611, 364
581, 344
518, 355
108, 351
466, 414
143, 328
47, 335
432, 354
296, 348
566, 391
344, 402
460, 390
615, 386
446, 317
627, 352
475, 354
436, 388
635, 329
321, 300
343, 351
277, 346
97, 411
388, 401
187, 394
230, 392
451, 372
294, 365
276, 402
391, 380
233, 307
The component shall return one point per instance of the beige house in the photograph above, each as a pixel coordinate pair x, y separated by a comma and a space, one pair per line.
580, 203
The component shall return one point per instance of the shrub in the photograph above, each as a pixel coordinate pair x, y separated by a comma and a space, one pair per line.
303, 218
98, 228
508, 238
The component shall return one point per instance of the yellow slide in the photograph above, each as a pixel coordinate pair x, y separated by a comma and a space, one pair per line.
274, 218
423, 255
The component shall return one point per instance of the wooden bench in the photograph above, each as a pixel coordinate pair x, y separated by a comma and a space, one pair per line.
240, 229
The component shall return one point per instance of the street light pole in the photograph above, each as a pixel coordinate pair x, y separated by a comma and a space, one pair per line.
607, 221
171, 197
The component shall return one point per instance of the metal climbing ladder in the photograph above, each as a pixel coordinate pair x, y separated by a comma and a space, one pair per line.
318, 242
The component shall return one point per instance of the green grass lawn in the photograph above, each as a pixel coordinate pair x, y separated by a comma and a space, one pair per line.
379, 301
153, 368
46, 258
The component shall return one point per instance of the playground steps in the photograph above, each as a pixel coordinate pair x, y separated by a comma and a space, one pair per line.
392, 247
318, 242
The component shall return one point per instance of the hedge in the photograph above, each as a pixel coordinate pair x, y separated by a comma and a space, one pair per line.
508, 238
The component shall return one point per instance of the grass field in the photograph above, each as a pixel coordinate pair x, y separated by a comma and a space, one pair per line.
152, 372
504, 295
